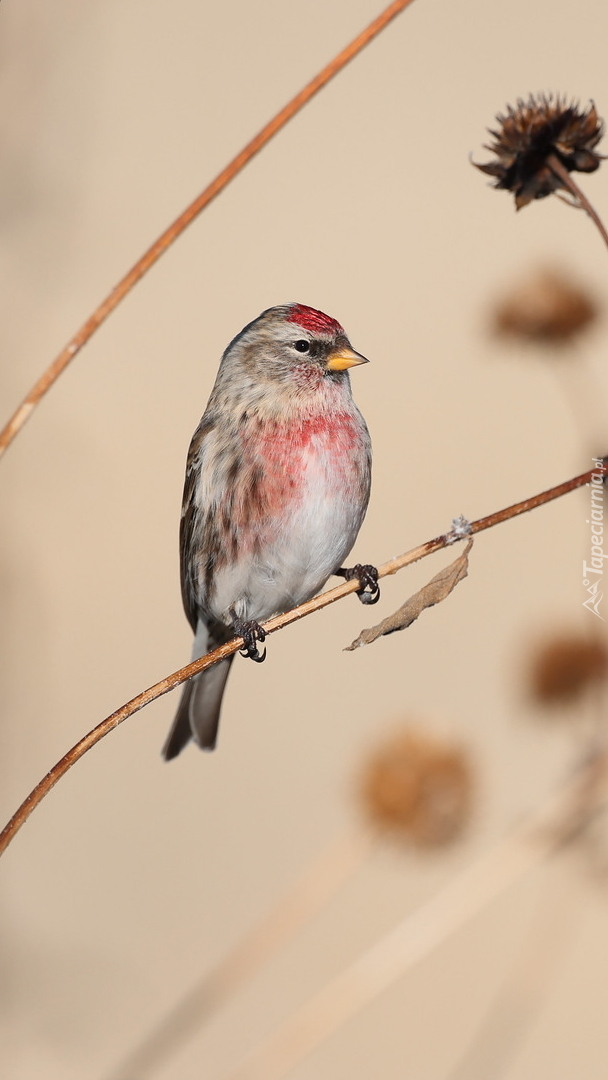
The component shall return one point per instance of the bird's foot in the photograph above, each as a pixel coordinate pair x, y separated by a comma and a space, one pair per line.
367, 576
251, 632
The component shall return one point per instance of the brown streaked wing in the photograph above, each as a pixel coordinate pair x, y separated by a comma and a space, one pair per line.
192, 545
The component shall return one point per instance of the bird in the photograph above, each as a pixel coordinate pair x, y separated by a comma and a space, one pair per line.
277, 485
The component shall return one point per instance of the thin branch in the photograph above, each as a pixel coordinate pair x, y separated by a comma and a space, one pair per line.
171, 681
420, 933
310, 893
581, 199
192, 211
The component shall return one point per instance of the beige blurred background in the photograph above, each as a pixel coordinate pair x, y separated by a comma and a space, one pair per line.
135, 876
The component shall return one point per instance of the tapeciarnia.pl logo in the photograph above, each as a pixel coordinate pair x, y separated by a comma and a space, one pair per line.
593, 571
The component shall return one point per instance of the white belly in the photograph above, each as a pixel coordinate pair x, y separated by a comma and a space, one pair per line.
309, 543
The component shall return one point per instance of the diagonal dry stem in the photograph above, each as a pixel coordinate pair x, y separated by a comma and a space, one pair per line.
164, 241
310, 893
171, 681
422, 931
515, 1009
581, 199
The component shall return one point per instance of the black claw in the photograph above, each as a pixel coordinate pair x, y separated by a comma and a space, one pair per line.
367, 576
251, 632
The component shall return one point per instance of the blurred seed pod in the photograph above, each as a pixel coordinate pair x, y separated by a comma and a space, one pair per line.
564, 668
417, 788
547, 308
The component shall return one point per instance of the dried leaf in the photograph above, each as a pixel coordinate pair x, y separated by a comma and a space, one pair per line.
433, 593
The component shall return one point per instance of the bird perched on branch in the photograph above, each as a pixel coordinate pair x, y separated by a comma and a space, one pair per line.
277, 485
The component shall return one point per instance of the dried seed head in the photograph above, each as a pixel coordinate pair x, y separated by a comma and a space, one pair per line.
547, 308
529, 133
563, 668
418, 789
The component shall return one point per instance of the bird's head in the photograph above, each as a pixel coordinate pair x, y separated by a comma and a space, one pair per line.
293, 342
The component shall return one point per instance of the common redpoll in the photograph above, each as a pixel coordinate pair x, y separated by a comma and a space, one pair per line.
277, 485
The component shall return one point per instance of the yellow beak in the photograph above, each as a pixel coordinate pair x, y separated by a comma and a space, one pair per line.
342, 359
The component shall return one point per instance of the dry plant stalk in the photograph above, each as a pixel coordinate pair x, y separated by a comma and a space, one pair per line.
168, 237
563, 669
414, 789
309, 894
419, 933
580, 199
323, 600
517, 1005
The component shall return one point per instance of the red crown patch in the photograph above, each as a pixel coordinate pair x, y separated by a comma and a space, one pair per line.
315, 321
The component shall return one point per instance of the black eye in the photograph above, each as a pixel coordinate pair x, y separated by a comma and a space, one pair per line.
302, 345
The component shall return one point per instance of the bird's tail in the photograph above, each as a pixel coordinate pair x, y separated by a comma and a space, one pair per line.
198, 712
